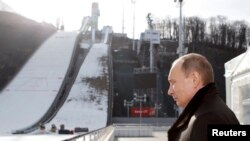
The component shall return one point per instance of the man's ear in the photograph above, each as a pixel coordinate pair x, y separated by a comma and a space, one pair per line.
196, 78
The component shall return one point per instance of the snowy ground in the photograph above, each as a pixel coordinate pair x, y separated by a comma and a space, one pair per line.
86, 105
29, 95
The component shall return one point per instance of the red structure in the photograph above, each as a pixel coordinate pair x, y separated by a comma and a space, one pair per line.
145, 112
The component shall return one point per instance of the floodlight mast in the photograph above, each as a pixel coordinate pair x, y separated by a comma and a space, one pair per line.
181, 45
133, 47
122, 16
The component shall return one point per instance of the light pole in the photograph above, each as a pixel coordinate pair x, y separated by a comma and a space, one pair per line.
133, 2
181, 46
176, 110
128, 104
157, 107
140, 99
122, 16
151, 50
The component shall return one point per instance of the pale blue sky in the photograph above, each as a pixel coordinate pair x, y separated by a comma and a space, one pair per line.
111, 11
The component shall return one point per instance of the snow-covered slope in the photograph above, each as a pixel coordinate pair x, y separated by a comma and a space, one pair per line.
21, 104
29, 95
5, 7
86, 105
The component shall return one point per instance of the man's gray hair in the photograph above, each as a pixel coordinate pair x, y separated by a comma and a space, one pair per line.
199, 63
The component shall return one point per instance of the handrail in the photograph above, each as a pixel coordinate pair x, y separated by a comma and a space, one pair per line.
93, 135
111, 84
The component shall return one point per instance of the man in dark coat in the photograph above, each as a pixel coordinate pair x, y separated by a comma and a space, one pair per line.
192, 87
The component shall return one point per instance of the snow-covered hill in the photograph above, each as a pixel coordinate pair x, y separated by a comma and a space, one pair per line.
86, 105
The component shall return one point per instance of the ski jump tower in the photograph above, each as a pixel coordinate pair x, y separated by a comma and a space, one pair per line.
95, 13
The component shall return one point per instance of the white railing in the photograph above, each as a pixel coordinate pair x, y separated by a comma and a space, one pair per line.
103, 134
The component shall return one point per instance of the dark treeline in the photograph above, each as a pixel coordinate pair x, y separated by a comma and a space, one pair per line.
217, 38
215, 31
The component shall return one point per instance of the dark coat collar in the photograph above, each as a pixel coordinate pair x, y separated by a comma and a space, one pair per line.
192, 106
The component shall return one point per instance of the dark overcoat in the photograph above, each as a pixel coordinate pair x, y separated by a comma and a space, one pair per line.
205, 108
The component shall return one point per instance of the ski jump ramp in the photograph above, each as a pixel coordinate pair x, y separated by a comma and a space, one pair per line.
38, 82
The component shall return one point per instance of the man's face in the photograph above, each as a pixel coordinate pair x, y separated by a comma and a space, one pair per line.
181, 87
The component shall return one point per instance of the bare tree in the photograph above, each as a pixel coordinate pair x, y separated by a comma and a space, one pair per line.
169, 27
214, 32
242, 35
230, 36
219, 32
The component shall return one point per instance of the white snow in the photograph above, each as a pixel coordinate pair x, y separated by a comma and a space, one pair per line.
5, 7
33, 90
86, 106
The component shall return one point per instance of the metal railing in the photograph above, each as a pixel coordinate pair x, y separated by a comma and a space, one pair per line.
96, 135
